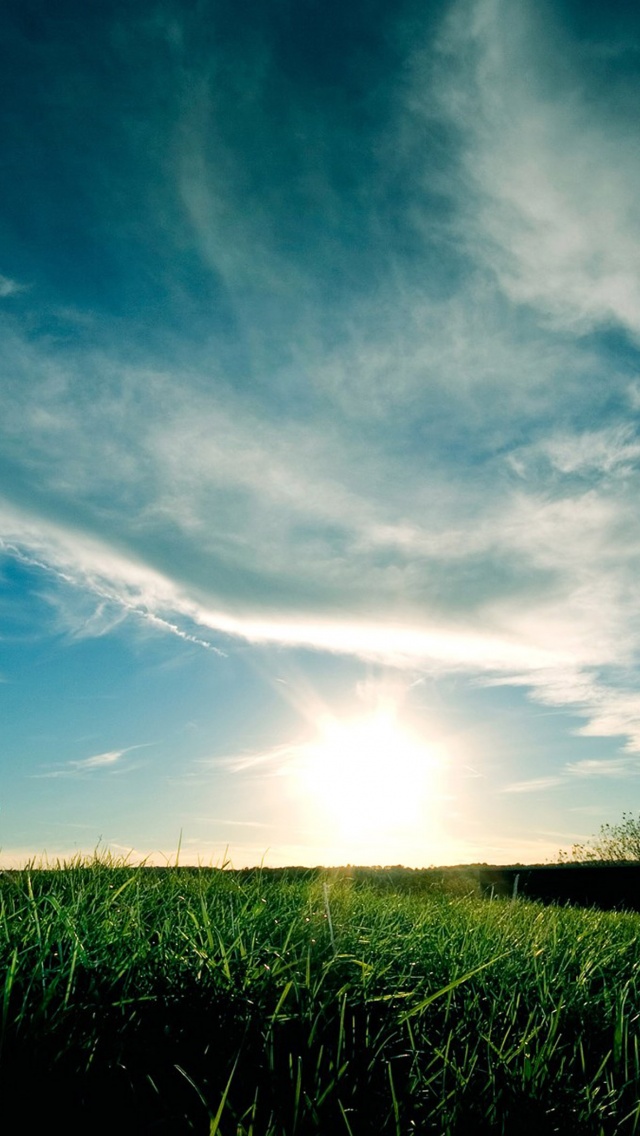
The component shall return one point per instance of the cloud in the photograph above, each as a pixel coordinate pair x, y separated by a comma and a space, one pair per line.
534, 785
595, 456
603, 767
613, 450
88, 765
315, 550
10, 287
272, 762
585, 768
376, 436
234, 823
602, 696
93, 567
550, 165
98, 760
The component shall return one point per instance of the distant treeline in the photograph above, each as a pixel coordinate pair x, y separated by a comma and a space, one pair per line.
606, 886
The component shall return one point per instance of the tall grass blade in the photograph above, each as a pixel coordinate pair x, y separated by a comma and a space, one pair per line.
451, 986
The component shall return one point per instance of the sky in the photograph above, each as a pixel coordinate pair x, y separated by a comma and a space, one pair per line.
319, 429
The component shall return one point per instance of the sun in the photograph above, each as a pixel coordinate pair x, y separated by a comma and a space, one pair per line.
369, 775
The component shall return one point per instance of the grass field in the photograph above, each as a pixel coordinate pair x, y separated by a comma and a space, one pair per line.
190, 1000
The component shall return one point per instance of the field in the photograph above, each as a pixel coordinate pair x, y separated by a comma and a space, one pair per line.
273, 1004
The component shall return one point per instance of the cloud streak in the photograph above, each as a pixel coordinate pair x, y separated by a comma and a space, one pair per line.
89, 765
533, 785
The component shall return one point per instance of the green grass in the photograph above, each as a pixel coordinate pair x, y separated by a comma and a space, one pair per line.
187, 1000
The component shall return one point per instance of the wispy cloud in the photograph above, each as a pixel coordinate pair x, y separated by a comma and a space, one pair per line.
604, 767
615, 449
89, 765
533, 785
271, 762
10, 287
594, 455
235, 823
98, 760
553, 173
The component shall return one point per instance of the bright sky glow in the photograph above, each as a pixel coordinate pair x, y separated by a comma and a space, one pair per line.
319, 434
369, 777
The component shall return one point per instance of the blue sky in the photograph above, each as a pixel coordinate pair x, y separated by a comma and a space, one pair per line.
319, 447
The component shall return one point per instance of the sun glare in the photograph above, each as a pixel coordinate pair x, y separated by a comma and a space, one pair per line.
369, 776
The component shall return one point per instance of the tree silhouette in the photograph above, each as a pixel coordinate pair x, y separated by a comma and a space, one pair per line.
614, 843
